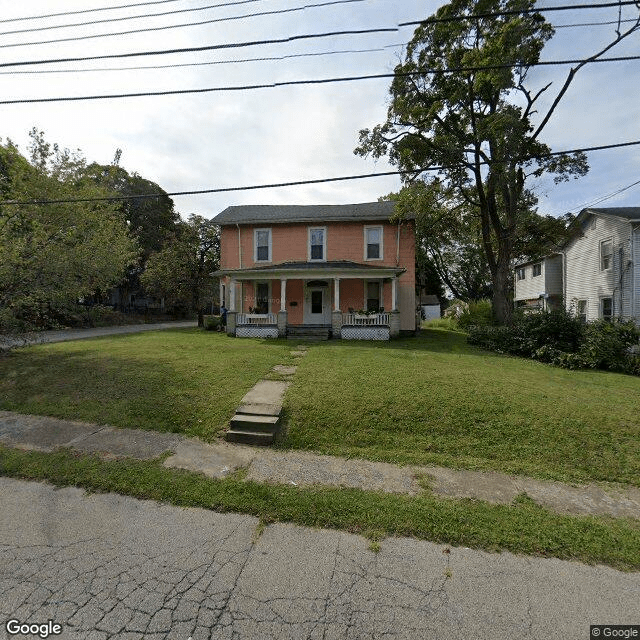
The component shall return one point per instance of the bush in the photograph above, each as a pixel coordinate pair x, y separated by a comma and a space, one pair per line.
211, 323
561, 339
476, 314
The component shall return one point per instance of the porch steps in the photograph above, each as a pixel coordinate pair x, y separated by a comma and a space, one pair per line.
315, 333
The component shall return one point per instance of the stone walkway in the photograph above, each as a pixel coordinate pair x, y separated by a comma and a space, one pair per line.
306, 469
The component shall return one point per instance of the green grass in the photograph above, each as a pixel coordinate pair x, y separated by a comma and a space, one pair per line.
426, 400
186, 380
521, 527
436, 400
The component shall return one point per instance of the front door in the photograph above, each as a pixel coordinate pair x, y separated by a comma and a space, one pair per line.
316, 306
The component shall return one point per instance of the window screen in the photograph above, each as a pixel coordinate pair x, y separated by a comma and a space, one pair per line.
374, 238
262, 245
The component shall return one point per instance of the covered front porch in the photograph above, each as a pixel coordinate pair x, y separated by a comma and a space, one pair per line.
347, 300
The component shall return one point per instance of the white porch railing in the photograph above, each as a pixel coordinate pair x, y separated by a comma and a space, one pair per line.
257, 318
362, 320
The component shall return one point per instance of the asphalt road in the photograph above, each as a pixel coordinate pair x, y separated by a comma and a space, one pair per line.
108, 566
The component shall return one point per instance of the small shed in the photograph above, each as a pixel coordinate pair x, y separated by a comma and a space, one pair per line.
430, 307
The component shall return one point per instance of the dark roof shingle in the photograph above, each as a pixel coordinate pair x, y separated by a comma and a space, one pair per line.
280, 214
631, 213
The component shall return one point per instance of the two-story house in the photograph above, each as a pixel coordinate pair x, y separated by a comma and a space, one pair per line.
341, 270
599, 266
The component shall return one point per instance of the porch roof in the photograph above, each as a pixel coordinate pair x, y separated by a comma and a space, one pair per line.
309, 270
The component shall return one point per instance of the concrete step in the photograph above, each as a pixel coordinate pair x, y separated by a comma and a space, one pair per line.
308, 333
250, 437
248, 422
260, 409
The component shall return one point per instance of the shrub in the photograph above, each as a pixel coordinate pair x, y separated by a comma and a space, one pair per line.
211, 323
476, 314
606, 345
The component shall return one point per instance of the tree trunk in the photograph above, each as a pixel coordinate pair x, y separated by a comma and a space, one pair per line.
502, 302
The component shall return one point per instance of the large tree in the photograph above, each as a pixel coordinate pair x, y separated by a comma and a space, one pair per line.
56, 252
461, 109
181, 271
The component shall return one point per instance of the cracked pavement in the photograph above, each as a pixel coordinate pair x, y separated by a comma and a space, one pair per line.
112, 567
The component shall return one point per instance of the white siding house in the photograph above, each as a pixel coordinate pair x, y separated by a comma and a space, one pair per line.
597, 273
538, 284
601, 269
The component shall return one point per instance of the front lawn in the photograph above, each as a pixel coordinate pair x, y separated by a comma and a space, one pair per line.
436, 400
182, 380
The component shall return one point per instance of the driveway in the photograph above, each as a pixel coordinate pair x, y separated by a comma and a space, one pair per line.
108, 566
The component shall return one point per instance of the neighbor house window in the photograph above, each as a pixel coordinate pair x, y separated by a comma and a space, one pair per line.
581, 310
520, 274
317, 243
262, 242
606, 252
373, 243
606, 307
373, 296
537, 269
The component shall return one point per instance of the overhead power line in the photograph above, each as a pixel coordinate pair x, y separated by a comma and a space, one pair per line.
290, 83
294, 183
591, 203
213, 62
212, 47
124, 18
73, 13
178, 26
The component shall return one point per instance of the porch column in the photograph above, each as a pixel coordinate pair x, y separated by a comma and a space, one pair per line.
394, 293
221, 298
336, 294
282, 314
336, 315
232, 295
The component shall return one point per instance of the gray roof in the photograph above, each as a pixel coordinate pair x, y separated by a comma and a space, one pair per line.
630, 213
331, 265
280, 214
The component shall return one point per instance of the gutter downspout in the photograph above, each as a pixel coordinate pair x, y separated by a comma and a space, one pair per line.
240, 261
398, 245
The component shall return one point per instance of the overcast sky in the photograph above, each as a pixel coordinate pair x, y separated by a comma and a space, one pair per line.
283, 134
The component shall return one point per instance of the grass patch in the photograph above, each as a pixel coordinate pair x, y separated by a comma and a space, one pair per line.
436, 400
184, 380
521, 528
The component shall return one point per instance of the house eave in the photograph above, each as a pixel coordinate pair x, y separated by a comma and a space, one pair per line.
310, 271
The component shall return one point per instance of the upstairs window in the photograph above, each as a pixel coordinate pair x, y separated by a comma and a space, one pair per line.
520, 274
262, 242
537, 269
373, 243
317, 243
606, 253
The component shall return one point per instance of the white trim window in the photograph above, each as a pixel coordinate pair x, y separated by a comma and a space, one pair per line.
262, 245
317, 244
606, 308
581, 310
537, 269
373, 245
520, 273
606, 254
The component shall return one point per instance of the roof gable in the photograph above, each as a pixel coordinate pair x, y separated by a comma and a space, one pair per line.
629, 213
282, 214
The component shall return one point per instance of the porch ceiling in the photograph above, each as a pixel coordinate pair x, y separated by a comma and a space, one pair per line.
313, 270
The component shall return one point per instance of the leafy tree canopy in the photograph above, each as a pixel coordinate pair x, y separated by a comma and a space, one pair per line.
474, 129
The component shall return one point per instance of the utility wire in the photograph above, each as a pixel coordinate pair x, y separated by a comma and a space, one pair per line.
179, 26
214, 62
212, 47
297, 182
618, 3
124, 18
591, 203
289, 83
593, 24
73, 13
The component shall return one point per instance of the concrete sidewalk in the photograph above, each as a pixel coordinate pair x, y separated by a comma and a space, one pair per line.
62, 335
306, 469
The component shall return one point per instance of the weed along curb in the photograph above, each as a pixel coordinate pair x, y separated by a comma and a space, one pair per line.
305, 469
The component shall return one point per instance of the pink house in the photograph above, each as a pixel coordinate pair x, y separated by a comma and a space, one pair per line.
326, 270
